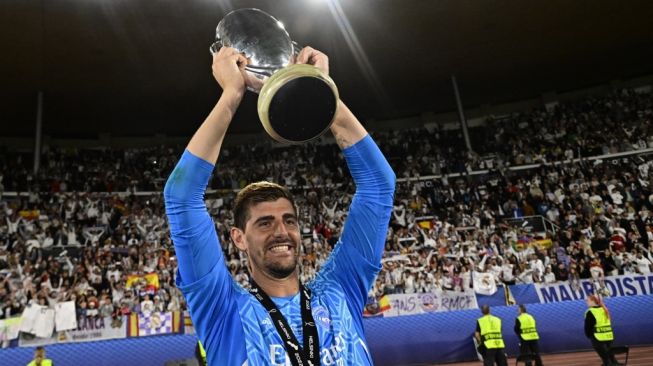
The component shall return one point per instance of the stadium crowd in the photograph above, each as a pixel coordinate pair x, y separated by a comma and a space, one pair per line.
82, 232
620, 121
89, 249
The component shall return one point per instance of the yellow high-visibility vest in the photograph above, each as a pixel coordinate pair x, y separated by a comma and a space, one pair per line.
528, 328
44, 362
202, 352
603, 327
491, 331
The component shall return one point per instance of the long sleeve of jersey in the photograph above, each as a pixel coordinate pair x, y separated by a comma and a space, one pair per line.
357, 257
196, 243
203, 276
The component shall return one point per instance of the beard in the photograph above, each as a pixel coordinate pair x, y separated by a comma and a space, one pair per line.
274, 267
281, 270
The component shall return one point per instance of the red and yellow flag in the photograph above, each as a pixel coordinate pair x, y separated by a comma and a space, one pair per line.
151, 279
384, 303
132, 325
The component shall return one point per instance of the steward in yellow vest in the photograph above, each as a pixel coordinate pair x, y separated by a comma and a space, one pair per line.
488, 333
598, 328
39, 358
200, 354
526, 329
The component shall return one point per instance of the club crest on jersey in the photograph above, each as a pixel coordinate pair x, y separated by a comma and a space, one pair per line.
322, 316
267, 322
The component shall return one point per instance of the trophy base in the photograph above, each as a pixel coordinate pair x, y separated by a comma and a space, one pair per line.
297, 104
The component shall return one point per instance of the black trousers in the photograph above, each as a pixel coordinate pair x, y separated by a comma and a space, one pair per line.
603, 349
493, 355
532, 347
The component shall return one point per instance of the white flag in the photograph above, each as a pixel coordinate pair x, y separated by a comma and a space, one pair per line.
484, 283
30, 314
65, 317
44, 323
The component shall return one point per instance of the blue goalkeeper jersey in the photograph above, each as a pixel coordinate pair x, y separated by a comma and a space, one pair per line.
233, 326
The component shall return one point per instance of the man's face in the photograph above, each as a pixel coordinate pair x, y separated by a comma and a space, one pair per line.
271, 238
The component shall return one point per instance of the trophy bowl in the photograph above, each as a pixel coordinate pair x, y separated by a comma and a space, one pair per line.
296, 103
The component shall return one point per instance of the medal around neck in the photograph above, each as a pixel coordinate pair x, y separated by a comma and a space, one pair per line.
296, 103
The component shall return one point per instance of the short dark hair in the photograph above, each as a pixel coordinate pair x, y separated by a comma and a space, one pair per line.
256, 193
485, 309
522, 307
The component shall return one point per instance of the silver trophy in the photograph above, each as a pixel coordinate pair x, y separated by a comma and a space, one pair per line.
296, 103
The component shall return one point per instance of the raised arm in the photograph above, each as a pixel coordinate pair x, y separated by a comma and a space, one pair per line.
227, 70
356, 260
203, 276
196, 243
346, 128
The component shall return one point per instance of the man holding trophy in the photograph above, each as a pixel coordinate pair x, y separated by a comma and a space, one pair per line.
279, 321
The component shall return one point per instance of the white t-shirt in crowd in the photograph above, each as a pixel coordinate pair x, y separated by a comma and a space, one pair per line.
643, 265
549, 278
506, 270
